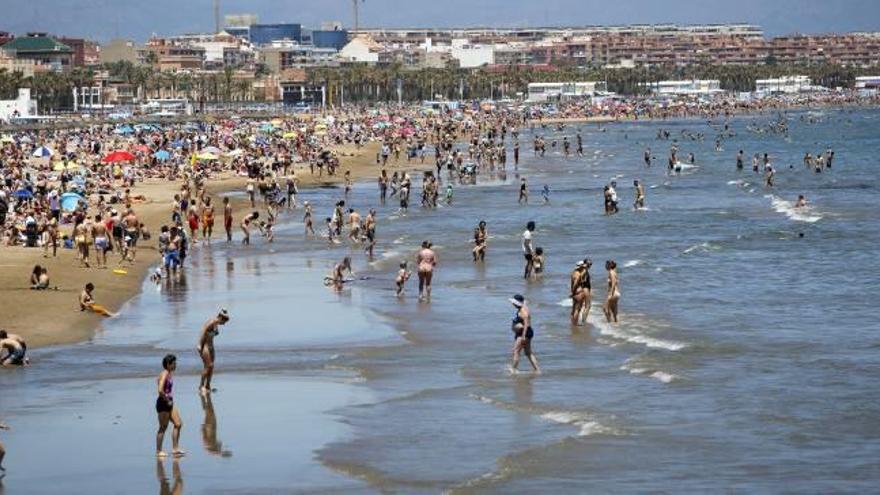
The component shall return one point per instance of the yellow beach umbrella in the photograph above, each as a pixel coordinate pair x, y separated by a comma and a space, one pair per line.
290, 135
58, 167
276, 122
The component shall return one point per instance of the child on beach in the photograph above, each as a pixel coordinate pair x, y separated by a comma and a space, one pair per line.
87, 302
402, 276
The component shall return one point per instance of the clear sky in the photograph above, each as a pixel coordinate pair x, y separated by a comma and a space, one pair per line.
138, 19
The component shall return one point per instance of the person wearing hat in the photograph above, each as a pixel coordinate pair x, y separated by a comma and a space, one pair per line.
581, 292
206, 348
522, 334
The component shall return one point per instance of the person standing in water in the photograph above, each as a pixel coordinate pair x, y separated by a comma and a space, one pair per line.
425, 261
307, 219
640, 195
522, 334
166, 409
402, 276
227, 219
206, 348
528, 250
581, 292
523, 192
610, 307
480, 237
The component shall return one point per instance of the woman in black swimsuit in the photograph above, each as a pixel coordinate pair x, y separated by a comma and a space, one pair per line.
522, 334
581, 292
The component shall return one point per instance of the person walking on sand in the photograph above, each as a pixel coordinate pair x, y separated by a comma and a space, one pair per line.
166, 410
522, 334
206, 348
610, 307
426, 261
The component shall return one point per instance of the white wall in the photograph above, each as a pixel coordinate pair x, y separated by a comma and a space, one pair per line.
23, 104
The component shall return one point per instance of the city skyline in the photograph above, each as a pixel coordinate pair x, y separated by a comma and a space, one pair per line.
102, 20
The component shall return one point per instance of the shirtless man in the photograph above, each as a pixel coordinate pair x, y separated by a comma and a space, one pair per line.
640, 195
354, 225
102, 242
15, 348
132, 227
370, 232
801, 201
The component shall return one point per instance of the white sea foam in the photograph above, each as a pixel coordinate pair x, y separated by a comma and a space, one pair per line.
565, 303
632, 263
804, 214
596, 319
586, 425
652, 373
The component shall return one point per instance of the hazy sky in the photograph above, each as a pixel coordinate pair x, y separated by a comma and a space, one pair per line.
138, 19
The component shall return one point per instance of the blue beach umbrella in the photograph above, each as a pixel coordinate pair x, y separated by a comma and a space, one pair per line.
69, 201
23, 194
162, 155
124, 130
43, 152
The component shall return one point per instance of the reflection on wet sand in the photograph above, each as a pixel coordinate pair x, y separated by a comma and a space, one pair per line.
165, 487
212, 444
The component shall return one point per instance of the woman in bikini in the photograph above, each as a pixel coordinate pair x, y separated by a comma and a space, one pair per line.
206, 348
165, 408
581, 292
610, 307
426, 260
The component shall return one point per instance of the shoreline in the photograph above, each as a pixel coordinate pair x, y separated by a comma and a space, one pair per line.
51, 318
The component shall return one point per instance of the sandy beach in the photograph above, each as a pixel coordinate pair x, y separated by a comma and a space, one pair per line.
53, 317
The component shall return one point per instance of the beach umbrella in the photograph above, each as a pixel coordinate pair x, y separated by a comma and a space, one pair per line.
267, 127
235, 152
162, 155
123, 130
69, 201
118, 156
290, 135
23, 194
206, 156
43, 152
177, 144
142, 148
6, 139
212, 149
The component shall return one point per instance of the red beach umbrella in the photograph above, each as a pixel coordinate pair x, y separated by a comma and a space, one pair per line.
118, 156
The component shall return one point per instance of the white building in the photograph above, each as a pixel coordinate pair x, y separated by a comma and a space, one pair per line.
360, 49
868, 82
787, 84
21, 107
470, 56
552, 91
689, 87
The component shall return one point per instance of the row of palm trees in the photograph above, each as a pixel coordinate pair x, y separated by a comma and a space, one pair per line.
363, 83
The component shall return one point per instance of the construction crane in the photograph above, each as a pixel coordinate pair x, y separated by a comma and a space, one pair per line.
355, 11
216, 16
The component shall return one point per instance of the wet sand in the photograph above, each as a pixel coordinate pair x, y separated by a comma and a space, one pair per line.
53, 317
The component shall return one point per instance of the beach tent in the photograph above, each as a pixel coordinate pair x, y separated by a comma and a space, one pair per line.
162, 155
69, 201
118, 156
43, 152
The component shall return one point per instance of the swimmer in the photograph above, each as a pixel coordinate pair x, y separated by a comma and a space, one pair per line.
206, 348
402, 276
426, 260
166, 410
610, 307
801, 201
523, 333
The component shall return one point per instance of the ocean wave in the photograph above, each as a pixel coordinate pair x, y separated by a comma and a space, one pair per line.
596, 319
804, 214
632, 263
703, 246
565, 303
586, 424
649, 372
